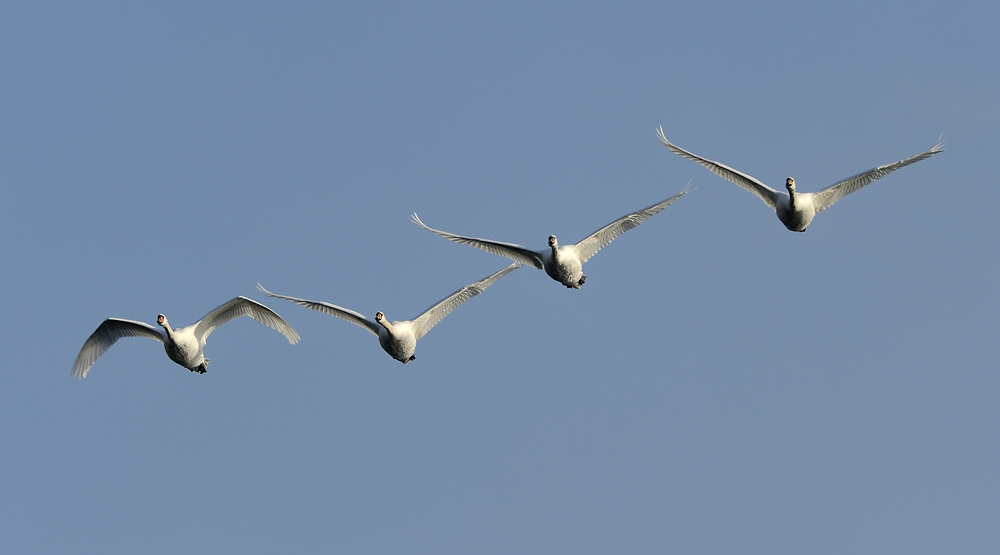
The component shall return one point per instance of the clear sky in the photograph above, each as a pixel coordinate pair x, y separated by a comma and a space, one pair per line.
719, 385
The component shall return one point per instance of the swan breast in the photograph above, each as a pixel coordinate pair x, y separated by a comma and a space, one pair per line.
184, 348
565, 268
399, 343
799, 217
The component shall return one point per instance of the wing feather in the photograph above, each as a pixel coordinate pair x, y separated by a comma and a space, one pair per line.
331, 309
603, 237
430, 317
517, 253
825, 198
110, 331
752, 184
242, 306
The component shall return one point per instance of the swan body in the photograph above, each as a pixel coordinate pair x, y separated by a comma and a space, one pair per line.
185, 346
399, 338
796, 210
562, 263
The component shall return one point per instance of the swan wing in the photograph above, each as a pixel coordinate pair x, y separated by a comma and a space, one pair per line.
517, 253
603, 237
242, 306
825, 198
752, 184
331, 309
110, 331
430, 317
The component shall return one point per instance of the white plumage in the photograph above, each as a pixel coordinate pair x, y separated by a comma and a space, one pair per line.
185, 346
563, 264
399, 338
797, 210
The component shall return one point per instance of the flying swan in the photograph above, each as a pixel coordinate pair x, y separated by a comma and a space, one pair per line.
399, 338
185, 346
796, 210
563, 264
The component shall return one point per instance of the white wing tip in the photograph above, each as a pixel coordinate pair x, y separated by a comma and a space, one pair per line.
661, 136
281, 326
265, 291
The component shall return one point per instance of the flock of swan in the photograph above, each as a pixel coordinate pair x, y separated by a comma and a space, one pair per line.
185, 346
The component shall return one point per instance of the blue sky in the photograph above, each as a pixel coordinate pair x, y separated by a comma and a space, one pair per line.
719, 384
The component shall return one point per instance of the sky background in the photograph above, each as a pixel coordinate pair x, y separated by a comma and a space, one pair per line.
719, 385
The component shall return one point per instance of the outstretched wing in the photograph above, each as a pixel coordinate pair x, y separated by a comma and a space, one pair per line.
752, 184
331, 309
825, 198
423, 323
603, 237
242, 306
517, 253
110, 331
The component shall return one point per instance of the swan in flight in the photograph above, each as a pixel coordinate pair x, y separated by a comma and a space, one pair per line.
563, 264
399, 338
183, 345
796, 210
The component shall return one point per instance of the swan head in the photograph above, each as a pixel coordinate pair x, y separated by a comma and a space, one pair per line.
161, 320
790, 185
553, 242
380, 319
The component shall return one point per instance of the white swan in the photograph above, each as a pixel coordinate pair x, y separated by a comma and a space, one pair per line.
563, 264
796, 210
185, 346
399, 338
